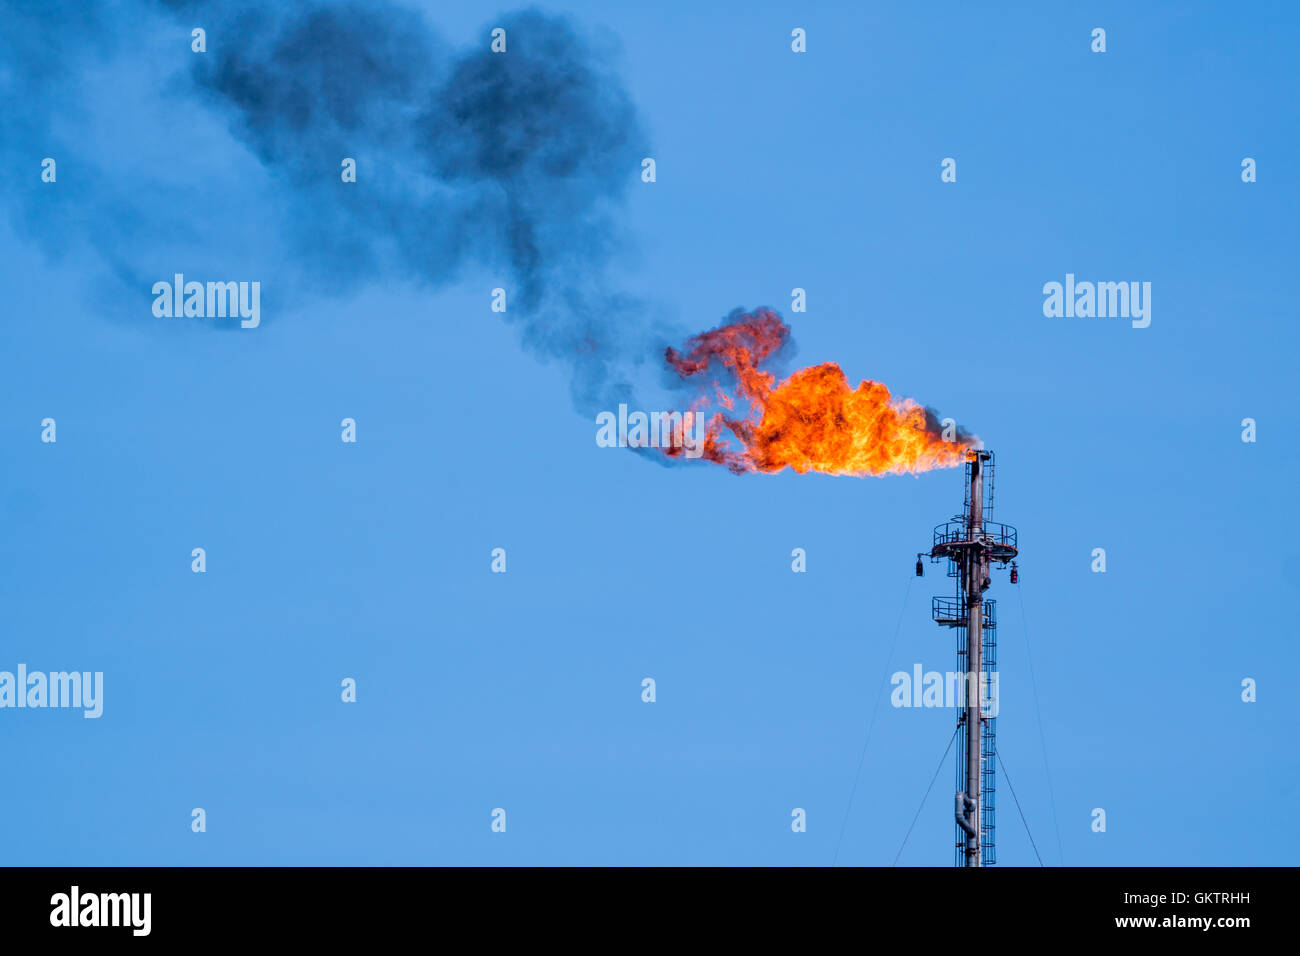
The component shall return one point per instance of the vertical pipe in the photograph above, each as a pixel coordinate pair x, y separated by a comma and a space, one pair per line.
976, 572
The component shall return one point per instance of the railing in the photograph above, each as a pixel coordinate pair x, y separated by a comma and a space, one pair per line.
955, 609
991, 533
948, 609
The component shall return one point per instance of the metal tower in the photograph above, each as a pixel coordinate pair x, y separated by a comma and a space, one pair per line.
971, 543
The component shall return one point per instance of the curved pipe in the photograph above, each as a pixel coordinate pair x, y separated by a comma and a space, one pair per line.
965, 810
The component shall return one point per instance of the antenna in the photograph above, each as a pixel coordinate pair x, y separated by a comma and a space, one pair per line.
971, 543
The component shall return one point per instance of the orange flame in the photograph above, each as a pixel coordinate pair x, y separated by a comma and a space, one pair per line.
813, 421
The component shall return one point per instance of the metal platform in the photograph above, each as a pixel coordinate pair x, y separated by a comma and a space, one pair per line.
954, 612
952, 537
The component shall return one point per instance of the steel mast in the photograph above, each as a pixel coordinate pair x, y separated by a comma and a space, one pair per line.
971, 544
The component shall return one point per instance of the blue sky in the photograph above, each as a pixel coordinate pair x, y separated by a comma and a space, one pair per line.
523, 690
